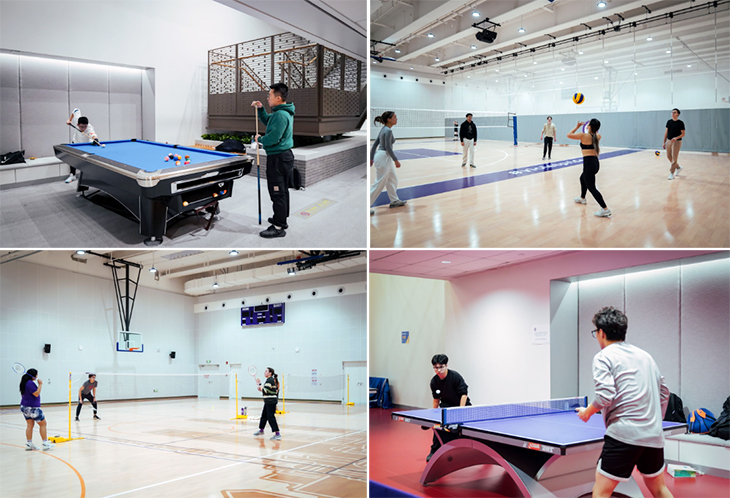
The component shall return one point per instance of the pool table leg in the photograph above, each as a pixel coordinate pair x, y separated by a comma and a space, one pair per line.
152, 220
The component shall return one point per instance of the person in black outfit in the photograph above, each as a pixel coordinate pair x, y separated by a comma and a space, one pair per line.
270, 391
674, 134
448, 389
468, 137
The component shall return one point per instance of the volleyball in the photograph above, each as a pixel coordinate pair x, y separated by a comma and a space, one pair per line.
578, 98
657, 153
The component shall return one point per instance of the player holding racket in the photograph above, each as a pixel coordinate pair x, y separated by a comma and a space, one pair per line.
270, 391
30, 405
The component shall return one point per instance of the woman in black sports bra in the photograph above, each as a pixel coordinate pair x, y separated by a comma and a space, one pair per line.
589, 144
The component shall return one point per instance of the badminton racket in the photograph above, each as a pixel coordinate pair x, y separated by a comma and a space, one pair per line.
252, 373
18, 368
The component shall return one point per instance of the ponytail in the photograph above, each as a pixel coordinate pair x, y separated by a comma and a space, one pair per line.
383, 119
271, 370
595, 126
29, 375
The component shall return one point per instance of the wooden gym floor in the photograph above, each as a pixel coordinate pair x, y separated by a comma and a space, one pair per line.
188, 447
514, 199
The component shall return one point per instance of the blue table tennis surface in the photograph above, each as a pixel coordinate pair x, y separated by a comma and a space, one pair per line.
557, 429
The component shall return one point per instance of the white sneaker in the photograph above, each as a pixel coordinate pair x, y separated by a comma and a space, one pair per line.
29, 446
580, 200
603, 213
70, 178
671, 176
47, 445
679, 168
275, 437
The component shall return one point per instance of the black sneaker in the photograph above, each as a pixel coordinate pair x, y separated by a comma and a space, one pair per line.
96, 418
273, 232
284, 226
77, 419
428, 458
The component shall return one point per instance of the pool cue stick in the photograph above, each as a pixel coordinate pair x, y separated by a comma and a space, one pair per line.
258, 165
85, 134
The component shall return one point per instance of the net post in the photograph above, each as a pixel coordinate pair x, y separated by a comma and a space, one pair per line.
61, 439
283, 397
238, 415
514, 127
348, 391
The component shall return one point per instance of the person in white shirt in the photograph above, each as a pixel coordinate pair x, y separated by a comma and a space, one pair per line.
632, 395
81, 125
550, 133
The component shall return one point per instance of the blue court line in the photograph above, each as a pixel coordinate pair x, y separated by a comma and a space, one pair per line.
428, 189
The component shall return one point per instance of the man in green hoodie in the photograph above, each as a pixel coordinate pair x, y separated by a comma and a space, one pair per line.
277, 143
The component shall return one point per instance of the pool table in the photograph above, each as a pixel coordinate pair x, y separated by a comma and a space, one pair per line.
152, 190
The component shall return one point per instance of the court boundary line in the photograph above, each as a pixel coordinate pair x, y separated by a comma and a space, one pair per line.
231, 465
78, 474
446, 186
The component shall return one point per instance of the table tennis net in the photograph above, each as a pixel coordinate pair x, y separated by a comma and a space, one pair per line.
461, 415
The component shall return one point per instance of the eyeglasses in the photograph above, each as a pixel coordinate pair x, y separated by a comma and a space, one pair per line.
593, 333
439, 367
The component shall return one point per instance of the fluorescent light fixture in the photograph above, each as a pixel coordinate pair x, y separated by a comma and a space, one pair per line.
446, 262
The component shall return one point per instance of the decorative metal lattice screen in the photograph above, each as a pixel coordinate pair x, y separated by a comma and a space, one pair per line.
322, 82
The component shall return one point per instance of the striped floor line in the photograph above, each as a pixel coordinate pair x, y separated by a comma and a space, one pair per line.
418, 191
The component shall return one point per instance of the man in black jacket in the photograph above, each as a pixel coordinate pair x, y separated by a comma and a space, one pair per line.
448, 389
468, 137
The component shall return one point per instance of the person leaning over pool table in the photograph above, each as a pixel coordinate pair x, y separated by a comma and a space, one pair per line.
78, 137
277, 143
448, 389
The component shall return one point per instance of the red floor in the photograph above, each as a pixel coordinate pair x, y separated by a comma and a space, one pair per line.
398, 456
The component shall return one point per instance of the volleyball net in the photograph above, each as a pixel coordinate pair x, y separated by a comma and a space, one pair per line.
431, 123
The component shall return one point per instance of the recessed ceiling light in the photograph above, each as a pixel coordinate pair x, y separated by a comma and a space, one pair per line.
446, 262
534, 62
562, 69
437, 59
430, 35
473, 47
80, 252
669, 51
605, 62
580, 53
397, 50
411, 67
497, 69
689, 65
375, 62
475, 13
595, 78
601, 5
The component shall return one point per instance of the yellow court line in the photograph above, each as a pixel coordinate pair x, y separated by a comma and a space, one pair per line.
81, 479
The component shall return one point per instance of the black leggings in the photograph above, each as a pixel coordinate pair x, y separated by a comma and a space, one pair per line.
268, 414
89, 397
548, 147
588, 179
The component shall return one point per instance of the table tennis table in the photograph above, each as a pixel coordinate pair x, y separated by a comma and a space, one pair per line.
543, 446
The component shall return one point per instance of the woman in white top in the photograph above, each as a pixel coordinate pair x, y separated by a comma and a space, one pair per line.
385, 161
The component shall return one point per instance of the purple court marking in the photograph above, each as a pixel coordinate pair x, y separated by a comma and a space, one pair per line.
428, 189
422, 153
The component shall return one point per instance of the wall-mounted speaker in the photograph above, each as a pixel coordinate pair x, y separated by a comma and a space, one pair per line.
47, 348
172, 354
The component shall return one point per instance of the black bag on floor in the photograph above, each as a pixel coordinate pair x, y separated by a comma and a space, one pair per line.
721, 427
12, 157
675, 410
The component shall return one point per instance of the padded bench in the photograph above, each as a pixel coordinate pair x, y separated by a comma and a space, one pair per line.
40, 170
706, 453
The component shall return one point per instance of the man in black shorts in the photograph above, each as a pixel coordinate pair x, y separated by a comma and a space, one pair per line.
88, 391
633, 397
448, 389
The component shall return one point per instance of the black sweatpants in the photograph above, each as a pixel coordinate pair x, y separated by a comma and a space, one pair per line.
279, 169
445, 437
548, 147
268, 414
588, 179
87, 396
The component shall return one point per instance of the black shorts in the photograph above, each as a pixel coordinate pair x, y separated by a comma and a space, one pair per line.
618, 459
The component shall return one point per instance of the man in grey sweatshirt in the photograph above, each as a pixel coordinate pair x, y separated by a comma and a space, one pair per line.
633, 397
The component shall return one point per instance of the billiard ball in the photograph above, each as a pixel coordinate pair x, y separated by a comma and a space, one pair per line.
187, 157
167, 159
